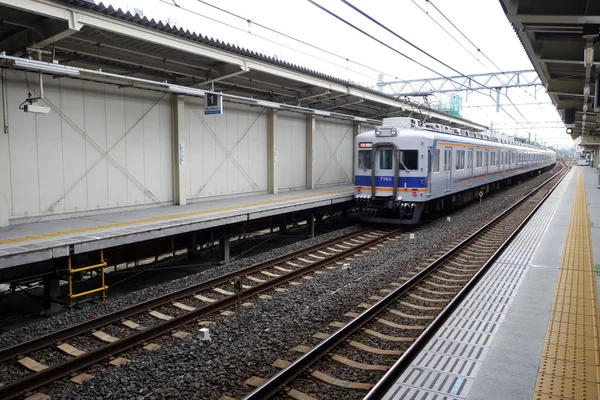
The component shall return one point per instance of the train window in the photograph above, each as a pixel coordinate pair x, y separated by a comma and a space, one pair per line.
460, 159
485, 159
470, 159
478, 159
447, 160
408, 159
514, 158
436, 161
386, 159
493, 159
365, 159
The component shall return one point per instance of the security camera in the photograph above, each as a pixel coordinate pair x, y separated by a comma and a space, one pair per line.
34, 108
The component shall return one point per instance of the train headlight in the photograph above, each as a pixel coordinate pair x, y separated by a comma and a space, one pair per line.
394, 131
377, 132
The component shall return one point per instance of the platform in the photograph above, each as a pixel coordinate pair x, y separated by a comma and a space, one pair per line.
43, 240
529, 330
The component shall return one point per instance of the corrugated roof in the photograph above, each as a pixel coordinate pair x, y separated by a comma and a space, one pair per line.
208, 41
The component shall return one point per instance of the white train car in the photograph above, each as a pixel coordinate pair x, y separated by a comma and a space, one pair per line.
405, 171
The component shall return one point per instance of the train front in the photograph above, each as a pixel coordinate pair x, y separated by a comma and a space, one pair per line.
391, 172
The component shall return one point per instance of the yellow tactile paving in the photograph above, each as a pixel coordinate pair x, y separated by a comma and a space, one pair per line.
164, 218
570, 365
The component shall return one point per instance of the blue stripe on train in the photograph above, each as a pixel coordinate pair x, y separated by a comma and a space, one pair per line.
412, 182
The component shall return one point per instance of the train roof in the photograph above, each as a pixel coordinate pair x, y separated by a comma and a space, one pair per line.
406, 123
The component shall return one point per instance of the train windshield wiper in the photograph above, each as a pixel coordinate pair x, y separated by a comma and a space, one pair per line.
404, 166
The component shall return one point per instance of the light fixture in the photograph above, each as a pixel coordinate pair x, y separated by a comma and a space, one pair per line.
322, 113
569, 130
267, 104
45, 67
186, 90
360, 119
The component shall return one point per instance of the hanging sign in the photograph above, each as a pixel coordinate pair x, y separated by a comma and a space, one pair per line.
213, 104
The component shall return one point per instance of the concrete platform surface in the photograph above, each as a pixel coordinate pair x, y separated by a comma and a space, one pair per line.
495, 346
43, 240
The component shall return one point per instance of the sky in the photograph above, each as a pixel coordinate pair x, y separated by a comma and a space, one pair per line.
334, 48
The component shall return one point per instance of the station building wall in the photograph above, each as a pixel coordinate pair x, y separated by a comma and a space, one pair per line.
290, 142
104, 147
333, 143
98, 147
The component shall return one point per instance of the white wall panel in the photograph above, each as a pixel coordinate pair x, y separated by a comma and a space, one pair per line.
100, 146
333, 152
23, 153
96, 145
291, 150
226, 153
50, 155
116, 145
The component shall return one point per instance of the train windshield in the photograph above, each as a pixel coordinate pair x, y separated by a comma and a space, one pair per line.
364, 159
408, 160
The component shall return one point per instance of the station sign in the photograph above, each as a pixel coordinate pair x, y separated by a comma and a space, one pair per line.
213, 104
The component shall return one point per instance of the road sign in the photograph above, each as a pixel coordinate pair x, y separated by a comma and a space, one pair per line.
213, 104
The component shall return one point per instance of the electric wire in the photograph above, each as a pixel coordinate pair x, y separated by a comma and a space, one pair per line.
400, 53
482, 53
276, 42
295, 39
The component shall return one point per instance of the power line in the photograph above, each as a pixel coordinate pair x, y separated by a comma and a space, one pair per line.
480, 51
406, 41
448, 33
250, 22
273, 41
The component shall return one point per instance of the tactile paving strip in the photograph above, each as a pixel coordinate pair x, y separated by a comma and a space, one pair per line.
570, 366
447, 366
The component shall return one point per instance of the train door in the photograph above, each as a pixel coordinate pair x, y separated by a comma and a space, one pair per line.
448, 167
384, 171
486, 160
470, 162
429, 167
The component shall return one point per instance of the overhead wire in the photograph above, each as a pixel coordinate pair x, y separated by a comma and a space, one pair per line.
482, 53
279, 43
295, 39
400, 53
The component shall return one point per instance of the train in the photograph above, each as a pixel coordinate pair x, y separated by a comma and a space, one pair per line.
406, 170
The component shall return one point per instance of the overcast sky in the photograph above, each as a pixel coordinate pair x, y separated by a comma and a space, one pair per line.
482, 21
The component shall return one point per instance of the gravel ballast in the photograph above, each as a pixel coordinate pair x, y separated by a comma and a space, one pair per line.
247, 343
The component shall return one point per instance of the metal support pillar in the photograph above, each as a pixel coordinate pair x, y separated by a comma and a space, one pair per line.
310, 151
318, 220
272, 150
282, 226
224, 249
355, 132
4, 158
179, 171
51, 293
310, 226
192, 249
498, 100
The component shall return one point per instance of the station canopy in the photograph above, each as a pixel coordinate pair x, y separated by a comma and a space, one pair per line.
83, 34
561, 40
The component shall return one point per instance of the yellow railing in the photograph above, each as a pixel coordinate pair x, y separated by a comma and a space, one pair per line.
103, 286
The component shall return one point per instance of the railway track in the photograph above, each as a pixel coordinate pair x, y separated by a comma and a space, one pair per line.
144, 322
368, 352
